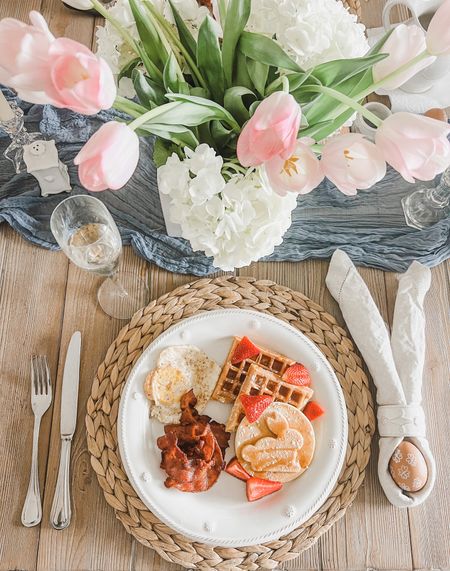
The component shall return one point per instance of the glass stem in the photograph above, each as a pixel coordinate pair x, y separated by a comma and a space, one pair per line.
440, 195
116, 281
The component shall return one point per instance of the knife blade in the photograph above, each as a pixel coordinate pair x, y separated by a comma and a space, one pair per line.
61, 512
71, 380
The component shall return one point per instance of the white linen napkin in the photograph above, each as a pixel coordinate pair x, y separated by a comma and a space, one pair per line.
396, 364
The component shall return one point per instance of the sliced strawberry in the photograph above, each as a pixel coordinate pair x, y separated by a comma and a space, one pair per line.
244, 350
257, 488
255, 405
297, 374
313, 410
236, 470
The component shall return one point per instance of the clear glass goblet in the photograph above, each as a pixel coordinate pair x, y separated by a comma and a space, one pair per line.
88, 235
428, 206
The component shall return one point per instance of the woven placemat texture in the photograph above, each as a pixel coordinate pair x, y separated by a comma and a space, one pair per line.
103, 405
354, 6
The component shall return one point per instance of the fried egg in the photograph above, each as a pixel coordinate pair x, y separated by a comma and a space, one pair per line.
180, 369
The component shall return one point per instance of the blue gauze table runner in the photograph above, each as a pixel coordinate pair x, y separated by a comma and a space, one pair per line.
370, 227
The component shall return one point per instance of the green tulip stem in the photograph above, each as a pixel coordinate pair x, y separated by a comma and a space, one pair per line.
129, 106
119, 27
285, 84
392, 75
176, 41
347, 101
153, 114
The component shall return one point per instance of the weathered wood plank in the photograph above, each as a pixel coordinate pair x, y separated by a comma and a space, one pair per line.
95, 539
430, 539
32, 288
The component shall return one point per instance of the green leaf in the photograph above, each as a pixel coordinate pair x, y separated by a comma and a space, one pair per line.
241, 75
147, 90
265, 50
184, 88
208, 107
234, 103
253, 107
238, 13
334, 72
176, 134
258, 73
128, 68
375, 49
187, 39
200, 92
221, 135
161, 152
150, 40
209, 59
322, 130
324, 106
170, 76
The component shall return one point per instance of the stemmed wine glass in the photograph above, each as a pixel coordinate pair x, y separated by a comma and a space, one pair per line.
88, 235
428, 206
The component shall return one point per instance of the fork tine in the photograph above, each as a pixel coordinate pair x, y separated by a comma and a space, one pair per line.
48, 385
43, 376
34, 386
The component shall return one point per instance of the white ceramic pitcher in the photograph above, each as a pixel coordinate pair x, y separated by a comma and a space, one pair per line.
422, 12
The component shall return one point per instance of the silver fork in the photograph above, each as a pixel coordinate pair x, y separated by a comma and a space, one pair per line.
41, 397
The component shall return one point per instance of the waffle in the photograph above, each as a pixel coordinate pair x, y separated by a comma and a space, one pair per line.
260, 381
232, 376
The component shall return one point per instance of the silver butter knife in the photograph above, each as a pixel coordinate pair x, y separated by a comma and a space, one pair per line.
61, 511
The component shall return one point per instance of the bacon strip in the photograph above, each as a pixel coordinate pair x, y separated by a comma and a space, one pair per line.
193, 451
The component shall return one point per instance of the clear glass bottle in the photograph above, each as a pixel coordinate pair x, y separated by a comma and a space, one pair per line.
427, 206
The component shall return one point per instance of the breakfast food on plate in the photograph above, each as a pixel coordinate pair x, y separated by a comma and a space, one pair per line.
193, 451
258, 488
279, 446
241, 356
313, 410
178, 370
274, 440
260, 381
235, 469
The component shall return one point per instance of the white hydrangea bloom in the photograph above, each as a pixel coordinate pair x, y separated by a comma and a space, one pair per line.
311, 31
236, 221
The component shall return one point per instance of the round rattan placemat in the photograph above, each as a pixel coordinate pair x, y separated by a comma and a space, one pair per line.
354, 6
103, 405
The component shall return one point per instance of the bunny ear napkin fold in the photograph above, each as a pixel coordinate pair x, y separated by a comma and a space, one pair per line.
396, 364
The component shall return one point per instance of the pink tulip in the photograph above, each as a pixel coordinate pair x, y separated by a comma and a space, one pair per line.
109, 158
43, 69
300, 173
352, 163
81, 81
416, 146
272, 130
438, 34
24, 59
404, 43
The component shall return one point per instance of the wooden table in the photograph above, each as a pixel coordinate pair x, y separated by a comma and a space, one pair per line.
44, 298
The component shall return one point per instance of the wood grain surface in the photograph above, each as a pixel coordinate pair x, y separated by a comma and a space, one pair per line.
44, 298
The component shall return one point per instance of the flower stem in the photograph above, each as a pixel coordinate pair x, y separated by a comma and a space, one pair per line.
175, 40
149, 65
398, 71
149, 115
119, 27
285, 84
128, 106
347, 101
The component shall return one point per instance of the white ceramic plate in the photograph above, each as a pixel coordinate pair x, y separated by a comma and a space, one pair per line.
222, 515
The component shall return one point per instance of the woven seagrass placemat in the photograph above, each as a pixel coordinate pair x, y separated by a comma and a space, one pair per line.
103, 405
354, 6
